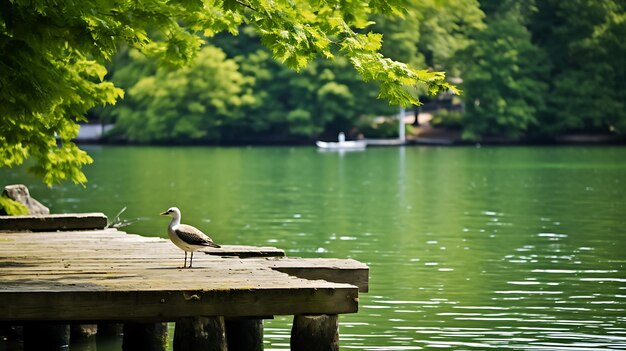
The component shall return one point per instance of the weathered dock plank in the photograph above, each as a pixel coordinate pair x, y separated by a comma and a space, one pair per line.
111, 275
113, 241
298, 297
335, 270
246, 251
37, 223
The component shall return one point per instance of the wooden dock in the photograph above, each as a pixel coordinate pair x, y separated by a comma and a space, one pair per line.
108, 275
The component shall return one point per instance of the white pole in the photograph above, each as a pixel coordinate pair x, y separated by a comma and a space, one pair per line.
401, 131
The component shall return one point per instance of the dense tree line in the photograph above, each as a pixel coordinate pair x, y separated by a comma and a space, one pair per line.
530, 69
546, 67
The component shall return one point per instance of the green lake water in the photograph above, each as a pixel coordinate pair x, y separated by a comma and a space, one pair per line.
504, 248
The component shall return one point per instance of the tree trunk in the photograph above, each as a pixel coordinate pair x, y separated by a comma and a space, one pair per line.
416, 121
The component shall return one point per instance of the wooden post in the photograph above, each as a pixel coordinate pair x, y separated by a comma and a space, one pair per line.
244, 334
200, 333
145, 337
315, 333
46, 336
401, 126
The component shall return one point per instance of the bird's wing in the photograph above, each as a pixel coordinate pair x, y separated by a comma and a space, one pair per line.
193, 236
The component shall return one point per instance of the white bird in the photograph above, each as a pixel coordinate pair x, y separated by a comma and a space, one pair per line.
186, 237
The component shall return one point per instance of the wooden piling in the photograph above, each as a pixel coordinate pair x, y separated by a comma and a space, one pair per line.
244, 334
145, 337
315, 333
200, 333
46, 336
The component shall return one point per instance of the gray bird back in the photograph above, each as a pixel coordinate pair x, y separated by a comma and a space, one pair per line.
194, 236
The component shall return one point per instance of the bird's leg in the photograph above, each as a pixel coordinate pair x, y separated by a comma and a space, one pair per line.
191, 259
185, 264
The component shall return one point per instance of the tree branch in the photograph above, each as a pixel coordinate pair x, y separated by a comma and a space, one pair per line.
246, 5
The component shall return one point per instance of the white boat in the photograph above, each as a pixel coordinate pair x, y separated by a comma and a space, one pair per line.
342, 145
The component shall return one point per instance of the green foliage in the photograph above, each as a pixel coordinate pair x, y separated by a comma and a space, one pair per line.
12, 207
51, 73
447, 119
322, 98
585, 41
504, 80
51, 70
325, 97
185, 105
388, 129
566, 77
431, 32
446, 28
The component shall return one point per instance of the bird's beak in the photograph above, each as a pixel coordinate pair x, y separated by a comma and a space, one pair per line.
164, 213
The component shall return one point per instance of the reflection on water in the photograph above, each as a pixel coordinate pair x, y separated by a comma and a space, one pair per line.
469, 249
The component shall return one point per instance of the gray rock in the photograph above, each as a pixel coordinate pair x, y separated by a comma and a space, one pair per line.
19, 193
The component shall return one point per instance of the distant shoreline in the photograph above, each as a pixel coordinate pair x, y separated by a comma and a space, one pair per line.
92, 134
